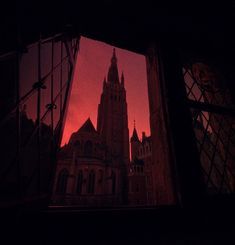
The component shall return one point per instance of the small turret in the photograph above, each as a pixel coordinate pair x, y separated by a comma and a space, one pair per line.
135, 143
143, 136
134, 136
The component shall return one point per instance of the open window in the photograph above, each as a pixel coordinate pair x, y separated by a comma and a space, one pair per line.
109, 110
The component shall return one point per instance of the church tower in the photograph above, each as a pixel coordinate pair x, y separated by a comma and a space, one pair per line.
112, 121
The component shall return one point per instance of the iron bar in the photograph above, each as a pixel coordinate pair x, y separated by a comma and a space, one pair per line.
5, 172
61, 77
52, 85
31, 92
18, 120
39, 118
204, 106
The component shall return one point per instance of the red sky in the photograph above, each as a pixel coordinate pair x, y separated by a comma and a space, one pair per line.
91, 68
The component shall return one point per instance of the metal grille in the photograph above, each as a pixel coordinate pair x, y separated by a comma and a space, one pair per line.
201, 86
214, 127
33, 118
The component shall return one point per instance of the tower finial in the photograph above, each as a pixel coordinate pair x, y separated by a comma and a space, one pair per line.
113, 76
114, 57
134, 123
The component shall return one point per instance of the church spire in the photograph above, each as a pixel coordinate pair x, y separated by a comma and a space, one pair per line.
113, 76
134, 136
114, 57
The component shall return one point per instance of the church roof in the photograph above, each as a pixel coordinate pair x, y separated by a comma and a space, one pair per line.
87, 127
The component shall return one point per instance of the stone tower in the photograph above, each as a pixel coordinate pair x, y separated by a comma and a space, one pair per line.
112, 121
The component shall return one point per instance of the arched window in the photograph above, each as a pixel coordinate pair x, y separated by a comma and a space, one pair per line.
79, 182
91, 182
113, 183
88, 148
62, 181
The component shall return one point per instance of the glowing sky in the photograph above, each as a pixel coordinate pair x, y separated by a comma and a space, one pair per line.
91, 68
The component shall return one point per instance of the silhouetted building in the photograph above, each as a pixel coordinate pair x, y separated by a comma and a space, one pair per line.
92, 167
140, 170
84, 175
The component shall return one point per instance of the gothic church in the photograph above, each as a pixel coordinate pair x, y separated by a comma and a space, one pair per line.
92, 168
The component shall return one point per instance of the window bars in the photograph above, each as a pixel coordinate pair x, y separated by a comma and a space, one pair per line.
31, 127
213, 118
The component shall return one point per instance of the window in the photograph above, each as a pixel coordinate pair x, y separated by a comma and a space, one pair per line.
62, 181
112, 130
91, 182
213, 125
79, 182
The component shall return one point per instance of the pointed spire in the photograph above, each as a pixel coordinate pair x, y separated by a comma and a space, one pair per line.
114, 57
122, 79
134, 136
113, 76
